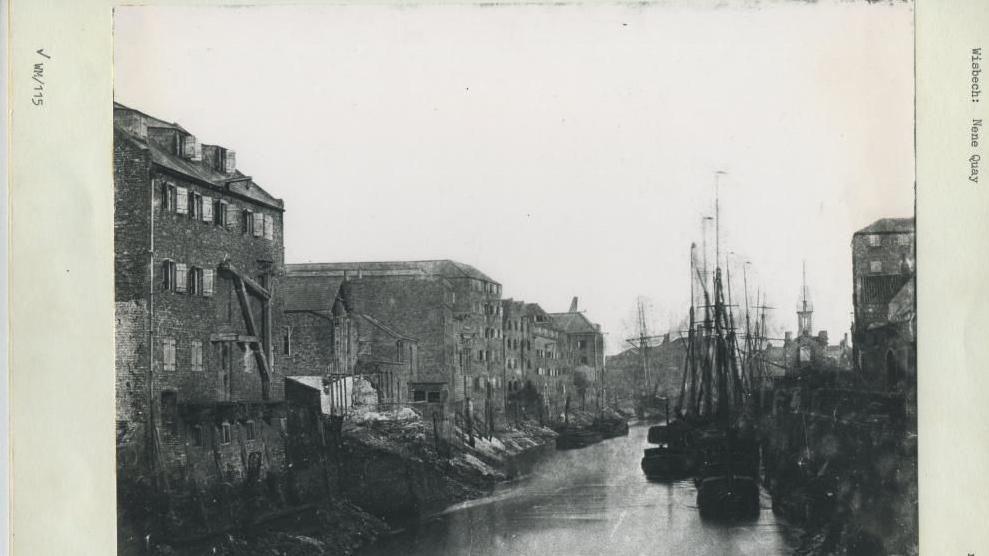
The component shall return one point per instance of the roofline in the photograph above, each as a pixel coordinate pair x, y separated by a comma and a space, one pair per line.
117, 104
862, 231
455, 263
219, 189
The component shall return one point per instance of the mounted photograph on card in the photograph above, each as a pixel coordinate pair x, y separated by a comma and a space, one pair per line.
515, 279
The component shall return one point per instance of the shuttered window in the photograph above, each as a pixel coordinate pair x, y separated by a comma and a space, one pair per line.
269, 227
207, 209
230, 216
168, 193
181, 200
247, 221
168, 354
220, 215
195, 206
230, 162
181, 275
196, 355
258, 225
250, 363
168, 275
207, 282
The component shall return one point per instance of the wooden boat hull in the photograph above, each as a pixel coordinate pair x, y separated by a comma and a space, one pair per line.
667, 464
728, 497
576, 438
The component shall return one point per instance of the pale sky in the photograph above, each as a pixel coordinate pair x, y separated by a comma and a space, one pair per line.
563, 150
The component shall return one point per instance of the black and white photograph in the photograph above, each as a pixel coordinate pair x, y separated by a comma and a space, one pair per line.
534, 279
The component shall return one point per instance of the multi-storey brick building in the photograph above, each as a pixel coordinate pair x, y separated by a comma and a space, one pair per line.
585, 342
516, 335
884, 332
198, 258
322, 337
452, 309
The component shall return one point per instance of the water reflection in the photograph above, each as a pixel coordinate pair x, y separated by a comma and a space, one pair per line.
590, 501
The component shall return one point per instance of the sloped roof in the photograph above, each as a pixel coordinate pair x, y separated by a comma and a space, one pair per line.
445, 268
310, 293
889, 225
533, 309
573, 323
236, 183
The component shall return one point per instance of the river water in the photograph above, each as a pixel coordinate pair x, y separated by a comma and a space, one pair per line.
595, 500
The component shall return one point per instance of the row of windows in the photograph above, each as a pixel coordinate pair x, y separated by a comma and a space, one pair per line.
480, 382
224, 355
180, 278
549, 372
486, 308
903, 240
548, 354
492, 333
215, 211
487, 287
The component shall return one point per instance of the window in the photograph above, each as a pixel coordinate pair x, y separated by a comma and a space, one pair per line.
225, 433
196, 358
168, 275
875, 240
181, 200
168, 197
433, 396
903, 239
258, 225
168, 354
418, 395
804, 355
196, 206
207, 203
249, 431
224, 348
581, 344
480, 355
181, 277
875, 266
880, 289
250, 363
195, 282
196, 435
287, 341
246, 221
220, 216
269, 227
207, 282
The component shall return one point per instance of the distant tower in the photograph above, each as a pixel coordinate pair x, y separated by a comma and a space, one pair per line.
805, 309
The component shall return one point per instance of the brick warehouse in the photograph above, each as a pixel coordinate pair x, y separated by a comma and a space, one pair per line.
322, 337
452, 309
884, 332
198, 257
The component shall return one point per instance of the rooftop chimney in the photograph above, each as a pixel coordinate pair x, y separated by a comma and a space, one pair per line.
573, 305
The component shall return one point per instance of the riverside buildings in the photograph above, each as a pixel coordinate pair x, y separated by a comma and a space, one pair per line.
198, 256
